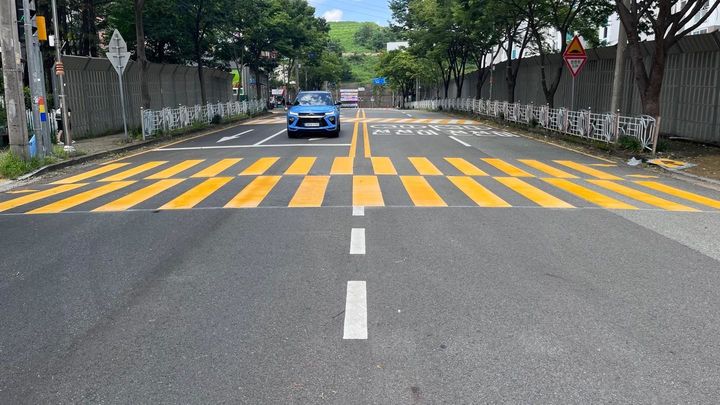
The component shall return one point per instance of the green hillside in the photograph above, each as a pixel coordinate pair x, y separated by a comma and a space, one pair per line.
363, 64
344, 32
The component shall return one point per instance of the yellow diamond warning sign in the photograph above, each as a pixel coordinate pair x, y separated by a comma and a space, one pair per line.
575, 56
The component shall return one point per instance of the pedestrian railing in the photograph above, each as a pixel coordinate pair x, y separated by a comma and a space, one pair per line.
604, 127
169, 119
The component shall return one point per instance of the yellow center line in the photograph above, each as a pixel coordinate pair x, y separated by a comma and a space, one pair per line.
424, 166
81, 198
383, 165
476, 192
641, 196
172, 171
681, 193
301, 166
135, 198
587, 194
217, 168
91, 173
588, 170
353, 142
555, 172
196, 194
311, 192
254, 193
507, 168
533, 193
342, 165
27, 199
465, 167
366, 143
132, 172
260, 166
366, 192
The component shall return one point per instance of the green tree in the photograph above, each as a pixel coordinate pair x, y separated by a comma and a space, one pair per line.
402, 69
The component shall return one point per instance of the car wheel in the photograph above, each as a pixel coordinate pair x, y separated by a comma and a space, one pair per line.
335, 133
291, 134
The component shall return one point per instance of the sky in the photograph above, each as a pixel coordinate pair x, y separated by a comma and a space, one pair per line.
352, 10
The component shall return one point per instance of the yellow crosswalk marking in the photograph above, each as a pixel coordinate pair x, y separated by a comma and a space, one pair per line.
260, 166
91, 173
533, 193
476, 192
311, 192
641, 196
424, 167
590, 195
681, 193
27, 199
545, 168
465, 167
588, 170
217, 168
173, 170
136, 197
124, 175
253, 194
81, 198
196, 194
301, 166
507, 168
383, 165
421, 193
366, 192
342, 165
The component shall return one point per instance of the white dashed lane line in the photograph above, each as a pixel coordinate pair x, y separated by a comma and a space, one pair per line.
355, 311
358, 211
357, 241
459, 141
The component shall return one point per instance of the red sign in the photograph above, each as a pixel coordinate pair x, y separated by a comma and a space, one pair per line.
575, 56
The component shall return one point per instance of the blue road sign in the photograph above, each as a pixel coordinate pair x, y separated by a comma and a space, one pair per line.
379, 81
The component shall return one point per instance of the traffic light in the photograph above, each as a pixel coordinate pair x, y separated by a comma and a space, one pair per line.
37, 22
41, 30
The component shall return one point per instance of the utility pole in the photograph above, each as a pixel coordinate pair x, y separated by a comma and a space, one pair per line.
619, 78
61, 82
12, 75
36, 78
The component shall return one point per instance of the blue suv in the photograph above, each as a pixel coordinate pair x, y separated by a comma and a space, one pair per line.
313, 111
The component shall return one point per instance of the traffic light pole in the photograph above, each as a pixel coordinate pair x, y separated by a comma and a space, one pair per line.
35, 78
12, 75
61, 82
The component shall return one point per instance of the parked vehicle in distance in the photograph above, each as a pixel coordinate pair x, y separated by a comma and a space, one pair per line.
314, 111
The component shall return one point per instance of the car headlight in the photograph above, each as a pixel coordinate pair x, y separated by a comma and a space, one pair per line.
330, 113
292, 114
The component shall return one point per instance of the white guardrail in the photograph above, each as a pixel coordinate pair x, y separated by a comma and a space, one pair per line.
168, 119
584, 124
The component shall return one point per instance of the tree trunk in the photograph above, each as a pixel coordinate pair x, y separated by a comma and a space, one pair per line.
141, 56
258, 87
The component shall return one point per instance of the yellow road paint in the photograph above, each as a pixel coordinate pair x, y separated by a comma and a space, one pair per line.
22, 191
641, 196
366, 192
603, 164
217, 168
259, 167
254, 193
196, 194
353, 141
136, 197
422, 121
588, 170
507, 168
301, 166
27, 199
134, 171
342, 165
590, 195
476, 192
91, 173
681, 193
533, 193
81, 198
424, 167
383, 165
172, 171
311, 192
366, 139
555, 172
642, 176
421, 192
465, 167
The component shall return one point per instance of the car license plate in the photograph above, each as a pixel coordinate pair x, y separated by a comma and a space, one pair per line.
312, 124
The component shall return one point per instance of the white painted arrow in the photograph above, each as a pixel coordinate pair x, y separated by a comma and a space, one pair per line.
227, 138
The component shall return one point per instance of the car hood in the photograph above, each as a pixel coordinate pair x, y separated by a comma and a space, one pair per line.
315, 109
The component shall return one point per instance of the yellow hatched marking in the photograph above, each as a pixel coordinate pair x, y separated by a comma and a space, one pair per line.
301, 165
196, 194
366, 192
424, 166
217, 168
366, 140
311, 192
465, 167
469, 122
80, 198
342, 165
507, 168
132, 172
27, 199
590, 195
681, 193
555, 172
452, 121
353, 141
642, 176
254, 193
135, 198
421, 120
404, 120
21, 191
476, 192
641, 196
421, 192
382, 165
438, 121
172, 171
602, 164
260, 166
91, 173
533, 193
588, 170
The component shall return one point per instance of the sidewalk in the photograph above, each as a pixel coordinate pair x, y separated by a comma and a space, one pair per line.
89, 146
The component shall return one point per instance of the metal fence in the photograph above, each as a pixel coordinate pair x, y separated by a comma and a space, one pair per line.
584, 124
169, 119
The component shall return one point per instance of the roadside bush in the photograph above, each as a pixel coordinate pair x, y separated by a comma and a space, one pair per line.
630, 143
12, 166
534, 123
216, 119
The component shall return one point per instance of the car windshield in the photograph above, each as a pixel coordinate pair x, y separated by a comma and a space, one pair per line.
313, 99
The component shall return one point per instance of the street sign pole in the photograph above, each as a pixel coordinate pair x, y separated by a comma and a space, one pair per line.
572, 97
119, 58
61, 82
575, 58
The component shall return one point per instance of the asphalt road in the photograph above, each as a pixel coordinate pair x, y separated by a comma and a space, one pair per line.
417, 258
